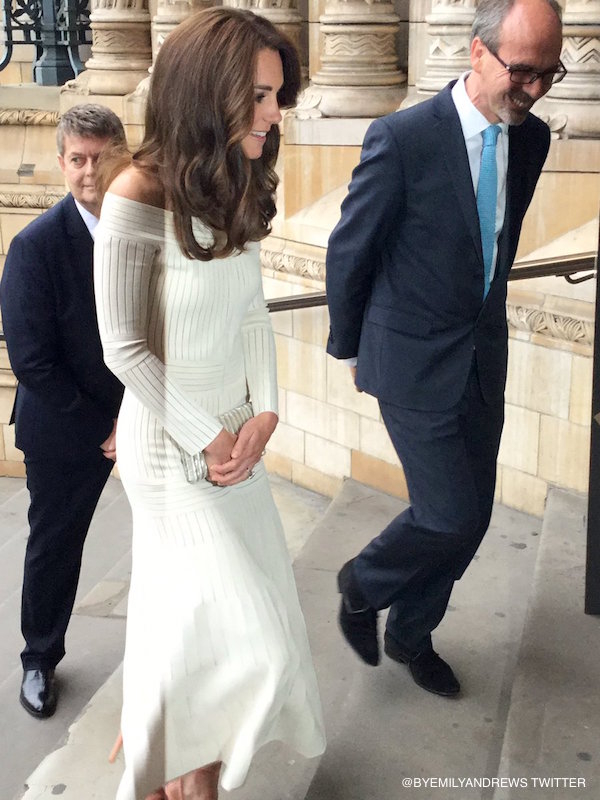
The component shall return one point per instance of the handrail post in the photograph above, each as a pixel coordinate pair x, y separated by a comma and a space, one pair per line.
592, 562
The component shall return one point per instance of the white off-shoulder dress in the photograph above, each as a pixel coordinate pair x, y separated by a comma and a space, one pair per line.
217, 661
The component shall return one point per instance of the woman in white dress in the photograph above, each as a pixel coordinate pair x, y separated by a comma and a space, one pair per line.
217, 661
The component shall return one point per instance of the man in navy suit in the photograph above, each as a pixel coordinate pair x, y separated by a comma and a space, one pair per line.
416, 284
67, 400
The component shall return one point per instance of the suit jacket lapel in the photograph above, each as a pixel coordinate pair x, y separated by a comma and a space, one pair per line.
81, 242
511, 216
454, 152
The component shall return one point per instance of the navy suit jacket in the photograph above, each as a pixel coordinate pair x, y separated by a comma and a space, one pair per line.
66, 398
405, 264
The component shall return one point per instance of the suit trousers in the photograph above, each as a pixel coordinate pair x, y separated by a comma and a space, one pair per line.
449, 460
63, 497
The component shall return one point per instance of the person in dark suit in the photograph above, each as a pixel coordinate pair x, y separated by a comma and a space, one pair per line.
67, 400
416, 283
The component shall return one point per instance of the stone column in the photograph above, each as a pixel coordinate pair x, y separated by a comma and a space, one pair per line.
284, 15
572, 107
121, 49
449, 36
169, 13
359, 75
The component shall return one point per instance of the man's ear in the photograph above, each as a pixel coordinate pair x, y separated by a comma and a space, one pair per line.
478, 50
61, 162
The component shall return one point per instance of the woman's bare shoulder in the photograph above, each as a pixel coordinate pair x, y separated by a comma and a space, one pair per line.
137, 183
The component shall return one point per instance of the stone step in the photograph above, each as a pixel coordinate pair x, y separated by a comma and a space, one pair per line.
384, 733
552, 737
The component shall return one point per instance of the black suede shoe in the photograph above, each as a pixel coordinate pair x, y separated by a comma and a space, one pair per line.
38, 692
428, 669
357, 619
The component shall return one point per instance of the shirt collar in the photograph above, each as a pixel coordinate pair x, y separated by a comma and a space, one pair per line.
471, 119
88, 218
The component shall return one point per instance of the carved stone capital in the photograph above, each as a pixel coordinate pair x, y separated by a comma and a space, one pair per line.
578, 95
121, 48
449, 35
29, 200
28, 116
359, 75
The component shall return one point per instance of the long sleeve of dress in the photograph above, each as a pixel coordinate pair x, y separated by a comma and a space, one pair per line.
123, 266
260, 357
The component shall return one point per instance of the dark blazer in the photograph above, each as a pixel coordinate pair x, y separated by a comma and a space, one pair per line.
66, 398
405, 265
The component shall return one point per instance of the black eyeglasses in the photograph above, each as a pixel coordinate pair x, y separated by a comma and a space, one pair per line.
524, 75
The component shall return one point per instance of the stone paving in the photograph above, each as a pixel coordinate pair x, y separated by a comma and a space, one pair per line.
515, 633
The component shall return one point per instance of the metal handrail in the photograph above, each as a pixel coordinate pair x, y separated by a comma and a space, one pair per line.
534, 268
538, 268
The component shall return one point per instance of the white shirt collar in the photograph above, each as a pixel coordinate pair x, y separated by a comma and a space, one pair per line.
89, 219
471, 119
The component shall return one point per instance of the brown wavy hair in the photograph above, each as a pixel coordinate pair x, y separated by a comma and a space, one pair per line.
200, 107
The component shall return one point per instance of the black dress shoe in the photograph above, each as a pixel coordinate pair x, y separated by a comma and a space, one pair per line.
357, 619
428, 669
38, 692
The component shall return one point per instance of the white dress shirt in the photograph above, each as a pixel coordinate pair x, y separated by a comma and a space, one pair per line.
89, 219
473, 123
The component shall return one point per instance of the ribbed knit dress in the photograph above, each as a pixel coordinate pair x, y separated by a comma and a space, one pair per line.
217, 661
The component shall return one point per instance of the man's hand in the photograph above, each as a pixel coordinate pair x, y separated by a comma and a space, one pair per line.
353, 374
246, 451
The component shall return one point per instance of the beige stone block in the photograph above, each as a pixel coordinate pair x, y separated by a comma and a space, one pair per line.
419, 10
418, 51
312, 171
7, 399
11, 74
12, 142
498, 486
282, 400
375, 441
315, 45
4, 360
301, 367
282, 323
287, 441
278, 465
315, 480
327, 457
11, 224
12, 469
331, 423
564, 453
40, 151
523, 492
342, 392
573, 155
10, 451
520, 439
379, 474
539, 378
311, 325
316, 8
562, 201
580, 410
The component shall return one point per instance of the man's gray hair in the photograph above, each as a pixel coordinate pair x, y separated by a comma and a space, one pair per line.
489, 16
89, 120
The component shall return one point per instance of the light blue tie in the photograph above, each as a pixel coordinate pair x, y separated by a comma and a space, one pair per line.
487, 198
